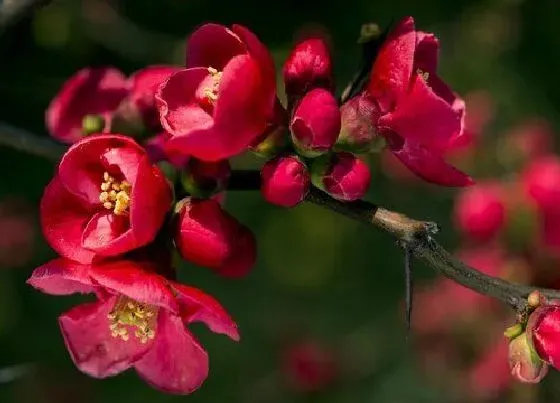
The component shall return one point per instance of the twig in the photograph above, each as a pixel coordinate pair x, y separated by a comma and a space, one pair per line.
12, 11
417, 235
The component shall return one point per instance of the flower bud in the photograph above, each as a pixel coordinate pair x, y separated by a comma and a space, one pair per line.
316, 123
203, 179
208, 236
309, 366
524, 363
357, 133
342, 175
543, 332
541, 181
480, 211
308, 66
285, 181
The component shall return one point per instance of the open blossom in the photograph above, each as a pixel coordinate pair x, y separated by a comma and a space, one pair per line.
224, 100
208, 236
138, 321
98, 93
107, 198
418, 114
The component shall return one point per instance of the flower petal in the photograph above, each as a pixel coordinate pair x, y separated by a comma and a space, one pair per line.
213, 45
176, 363
87, 336
90, 91
62, 277
197, 306
175, 99
430, 166
426, 55
62, 220
393, 68
126, 160
108, 234
135, 280
423, 117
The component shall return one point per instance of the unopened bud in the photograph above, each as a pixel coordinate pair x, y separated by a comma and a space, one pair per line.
524, 363
285, 181
93, 124
357, 133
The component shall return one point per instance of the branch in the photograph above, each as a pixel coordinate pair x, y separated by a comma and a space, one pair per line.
12, 11
417, 236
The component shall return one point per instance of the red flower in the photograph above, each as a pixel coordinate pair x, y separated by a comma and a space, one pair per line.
316, 123
418, 114
285, 181
342, 175
225, 98
105, 199
480, 211
91, 91
208, 236
543, 330
138, 321
101, 92
308, 66
310, 366
541, 181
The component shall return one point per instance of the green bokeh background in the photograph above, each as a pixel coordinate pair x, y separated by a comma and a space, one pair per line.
319, 275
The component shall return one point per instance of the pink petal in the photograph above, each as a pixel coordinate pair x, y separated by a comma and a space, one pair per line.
430, 166
393, 68
180, 113
151, 201
427, 50
126, 160
95, 352
62, 219
213, 45
424, 118
176, 363
136, 281
108, 234
197, 306
147, 80
62, 277
89, 91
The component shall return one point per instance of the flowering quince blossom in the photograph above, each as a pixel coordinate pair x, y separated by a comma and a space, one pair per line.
285, 181
100, 92
139, 320
224, 99
418, 114
105, 199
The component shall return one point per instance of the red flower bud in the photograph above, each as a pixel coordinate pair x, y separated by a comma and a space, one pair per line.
208, 236
308, 66
480, 211
543, 331
285, 181
525, 364
309, 366
316, 123
358, 133
342, 175
202, 179
541, 181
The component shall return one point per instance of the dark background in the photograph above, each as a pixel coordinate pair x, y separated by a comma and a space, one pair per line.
319, 277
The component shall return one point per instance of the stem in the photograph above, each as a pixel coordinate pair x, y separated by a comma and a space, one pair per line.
416, 236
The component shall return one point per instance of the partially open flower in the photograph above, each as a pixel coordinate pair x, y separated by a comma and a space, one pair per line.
139, 321
285, 181
308, 66
316, 123
342, 175
224, 100
107, 198
208, 236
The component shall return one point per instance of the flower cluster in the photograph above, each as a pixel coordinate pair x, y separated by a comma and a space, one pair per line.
149, 162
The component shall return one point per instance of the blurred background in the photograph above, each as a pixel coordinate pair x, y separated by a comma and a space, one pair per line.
321, 316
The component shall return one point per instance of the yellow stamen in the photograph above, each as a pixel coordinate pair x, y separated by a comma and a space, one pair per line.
211, 93
424, 74
115, 195
130, 313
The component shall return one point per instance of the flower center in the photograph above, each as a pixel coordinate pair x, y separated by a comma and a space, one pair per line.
129, 313
115, 195
211, 92
424, 74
